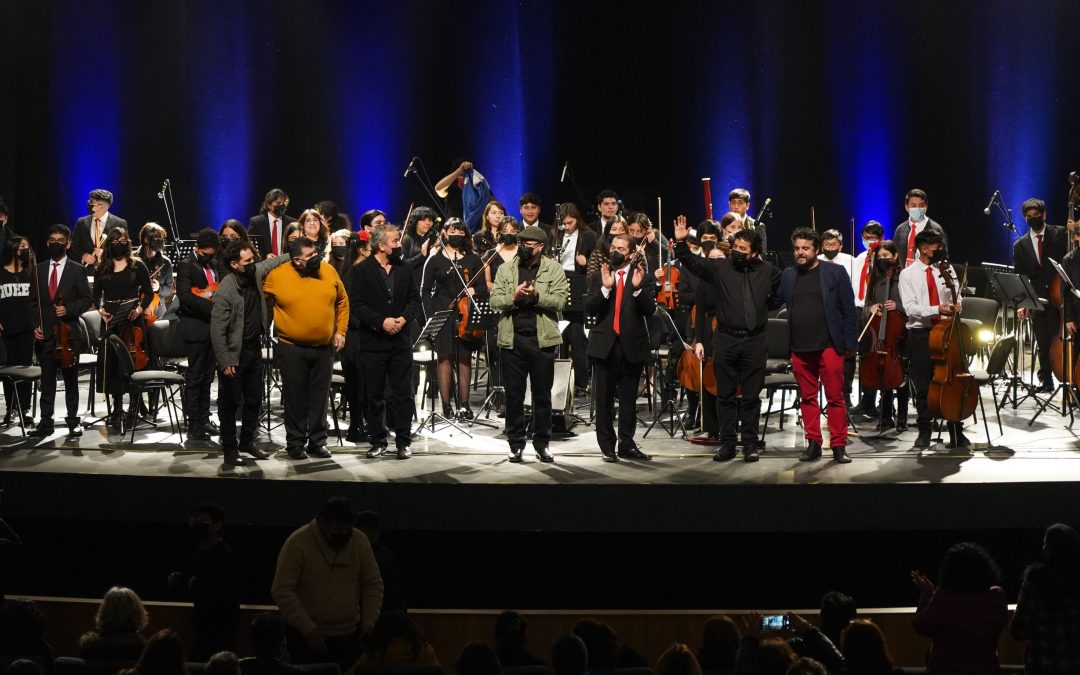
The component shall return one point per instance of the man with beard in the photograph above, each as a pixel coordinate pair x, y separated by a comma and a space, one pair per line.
743, 288
324, 571
1031, 256
311, 314
821, 310
530, 296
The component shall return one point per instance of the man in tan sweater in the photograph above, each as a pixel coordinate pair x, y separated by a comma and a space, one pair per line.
311, 314
328, 587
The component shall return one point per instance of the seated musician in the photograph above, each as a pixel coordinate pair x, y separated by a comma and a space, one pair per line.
883, 292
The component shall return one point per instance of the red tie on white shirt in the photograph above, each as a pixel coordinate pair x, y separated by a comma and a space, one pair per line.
209, 275
53, 281
931, 289
618, 300
273, 236
865, 270
911, 245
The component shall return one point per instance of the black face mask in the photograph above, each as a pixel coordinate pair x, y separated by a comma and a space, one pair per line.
24, 255
637, 241
525, 253
617, 259
939, 256
456, 240
119, 249
204, 260
339, 251
247, 274
313, 265
707, 246
338, 541
278, 210
508, 239
884, 266
57, 250
394, 256
831, 254
739, 259
157, 244
1036, 223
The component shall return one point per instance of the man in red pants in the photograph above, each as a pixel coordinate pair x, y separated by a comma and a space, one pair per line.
821, 310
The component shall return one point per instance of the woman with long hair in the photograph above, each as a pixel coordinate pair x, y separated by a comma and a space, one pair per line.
883, 292
18, 317
864, 649
118, 626
615, 225
313, 225
371, 219
490, 225
151, 251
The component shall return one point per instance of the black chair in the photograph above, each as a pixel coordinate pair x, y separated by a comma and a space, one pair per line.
995, 366
90, 330
168, 382
16, 375
778, 376
337, 388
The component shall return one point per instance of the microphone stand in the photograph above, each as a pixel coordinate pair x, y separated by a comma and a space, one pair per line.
581, 195
425, 183
998, 201
168, 201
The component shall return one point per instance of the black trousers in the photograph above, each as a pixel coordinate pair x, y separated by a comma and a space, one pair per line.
527, 362
920, 371
343, 650
381, 372
20, 352
356, 386
1045, 325
49, 368
615, 375
305, 392
575, 341
244, 388
739, 362
197, 380
710, 420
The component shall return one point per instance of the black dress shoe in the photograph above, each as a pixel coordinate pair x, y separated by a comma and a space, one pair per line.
356, 436
812, 452
884, 425
923, 440
544, 455
297, 453
403, 452
211, 427
750, 452
517, 455
724, 453
42, 431
319, 451
634, 452
198, 433
839, 455
250, 449
231, 456
1045, 387
114, 424
465, 414
74, 431
609, 456
376, 451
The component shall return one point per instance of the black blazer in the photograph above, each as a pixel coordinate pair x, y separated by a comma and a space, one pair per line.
903, 231
75, 290
194, 311
1055, 244
81, 238
633, 333
260, 226
370, 303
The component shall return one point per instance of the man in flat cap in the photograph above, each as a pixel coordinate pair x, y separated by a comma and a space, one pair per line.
530, 296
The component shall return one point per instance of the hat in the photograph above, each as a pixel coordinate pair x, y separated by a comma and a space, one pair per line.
534, 233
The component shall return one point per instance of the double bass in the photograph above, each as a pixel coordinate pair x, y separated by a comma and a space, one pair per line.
953, 394
882, 367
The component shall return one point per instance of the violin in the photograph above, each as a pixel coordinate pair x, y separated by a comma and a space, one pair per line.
953, 394
464, 306
205, 293
62, 353
155, 301
669, 285
882, 366
134, 337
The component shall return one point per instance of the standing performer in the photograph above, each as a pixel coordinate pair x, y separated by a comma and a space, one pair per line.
383, 300
238, 323
17, 321
269, 226
90, 230
621, 297
821, 311
915, 202
924, 294
63, 295
196, 282
530, 296
578, 242
883, 292
743, 287
1031, 256
1071, 265
739, 204
872, 234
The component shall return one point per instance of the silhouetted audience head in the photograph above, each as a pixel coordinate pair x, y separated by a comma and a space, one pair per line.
477, 658
837, 611
807, 666
121, 611
268, 636
393, 626
968, 567
163, 655
865, 652
510, 628
1061, 551
678, 660
569, 656
24, 667
719, 644
368, 523
773, 657
601, 642
223, 663
22, 626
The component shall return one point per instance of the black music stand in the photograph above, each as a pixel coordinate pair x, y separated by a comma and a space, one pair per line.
184, 249
430, 330
483, 317
1017, 292
1067, 389
669, 405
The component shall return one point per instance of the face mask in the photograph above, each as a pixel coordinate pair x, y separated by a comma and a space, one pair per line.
204, 260
637, 241
339, 251
157, 244
338, 541
313, 264
278, 210
247, 272
456, 240
394, 255
525, 253
939, 256
867, 243
831, 254
1035, 223
56, 250
24, 255
884, 266
739, 258
916, 213
707, 246
508, 239
617, 259
119, 249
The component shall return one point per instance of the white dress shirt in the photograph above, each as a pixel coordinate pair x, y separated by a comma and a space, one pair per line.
627, 279
844, 260
915, 296
569, 251
856, 274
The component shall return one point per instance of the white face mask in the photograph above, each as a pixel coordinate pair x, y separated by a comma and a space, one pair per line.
916, 213
867, 243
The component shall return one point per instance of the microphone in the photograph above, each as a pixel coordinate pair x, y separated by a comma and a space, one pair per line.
164, 187
564, 169
409, 169
993, 200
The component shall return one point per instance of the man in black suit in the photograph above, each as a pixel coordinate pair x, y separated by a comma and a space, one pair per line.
269, 226
201, 271
915, 203
383, 299
621, 297
1031, 256
63, 282
607, 205
90, 230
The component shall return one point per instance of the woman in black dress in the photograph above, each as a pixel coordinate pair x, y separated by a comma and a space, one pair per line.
152, 253
490, 224
443, 275
17, 320
122, 292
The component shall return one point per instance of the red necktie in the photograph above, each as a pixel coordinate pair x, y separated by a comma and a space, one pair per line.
209, 275
931, 288
273, 237
53, 281
862, 276
911, 245
1039, 237
618, 300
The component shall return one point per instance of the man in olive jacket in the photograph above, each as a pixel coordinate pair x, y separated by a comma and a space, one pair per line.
530, 295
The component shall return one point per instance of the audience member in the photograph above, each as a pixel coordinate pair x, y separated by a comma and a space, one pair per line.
396, 641
24, 667
807, 666
477, 658
837, 611
118, 626
324, 570
223, 663
1048, 609
569, 656
389, 565
865, 652
511, 630
210, 582
268, 644
678, 660
964, 615
163, 655
22, 634
811, 642
606, 650
770, 656
719, 644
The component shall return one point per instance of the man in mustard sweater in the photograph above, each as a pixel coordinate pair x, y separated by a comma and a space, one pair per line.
311, 313
328, 587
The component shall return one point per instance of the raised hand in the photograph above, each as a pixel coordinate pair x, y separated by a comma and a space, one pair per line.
638, 277
606, 277
681, 230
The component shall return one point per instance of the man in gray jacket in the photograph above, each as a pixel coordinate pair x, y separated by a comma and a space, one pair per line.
237, 325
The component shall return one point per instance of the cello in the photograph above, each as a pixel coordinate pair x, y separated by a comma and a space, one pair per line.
953, 394
882, 367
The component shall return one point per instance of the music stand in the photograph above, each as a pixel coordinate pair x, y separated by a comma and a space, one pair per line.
1017, 292
1069, 400
184, 248
668, 400
483, 317
435, 324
